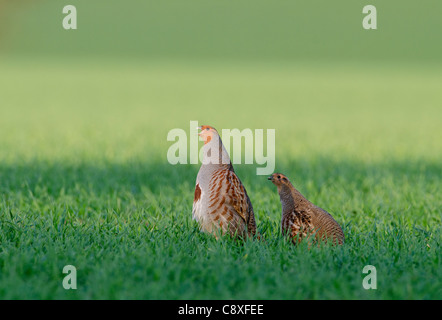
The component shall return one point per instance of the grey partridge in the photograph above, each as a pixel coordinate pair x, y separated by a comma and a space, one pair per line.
301, 218
221, 204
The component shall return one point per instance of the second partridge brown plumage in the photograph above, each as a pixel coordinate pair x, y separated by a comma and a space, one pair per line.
301, 218
221, 204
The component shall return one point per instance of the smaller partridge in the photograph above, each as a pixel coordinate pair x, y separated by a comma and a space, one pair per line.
301, 218
221, 204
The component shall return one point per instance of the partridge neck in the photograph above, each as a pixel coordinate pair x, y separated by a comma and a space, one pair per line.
291, 199
215, 155
287, 201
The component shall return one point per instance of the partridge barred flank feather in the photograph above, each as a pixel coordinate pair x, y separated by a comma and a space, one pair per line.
221, 204
301, 218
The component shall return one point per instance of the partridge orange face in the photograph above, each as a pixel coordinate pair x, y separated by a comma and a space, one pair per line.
279, 179
207, 133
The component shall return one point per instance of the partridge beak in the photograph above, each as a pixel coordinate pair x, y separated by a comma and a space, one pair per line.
270, 178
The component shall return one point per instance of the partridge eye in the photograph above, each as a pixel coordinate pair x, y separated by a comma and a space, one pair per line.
207, 128
279, 177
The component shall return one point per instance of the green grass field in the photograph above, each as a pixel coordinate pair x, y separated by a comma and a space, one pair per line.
84, 179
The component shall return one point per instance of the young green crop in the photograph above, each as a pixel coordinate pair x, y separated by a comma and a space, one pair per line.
84, 180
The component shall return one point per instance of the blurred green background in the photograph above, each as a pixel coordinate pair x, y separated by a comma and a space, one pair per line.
84, 116
408, 31
306, 68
